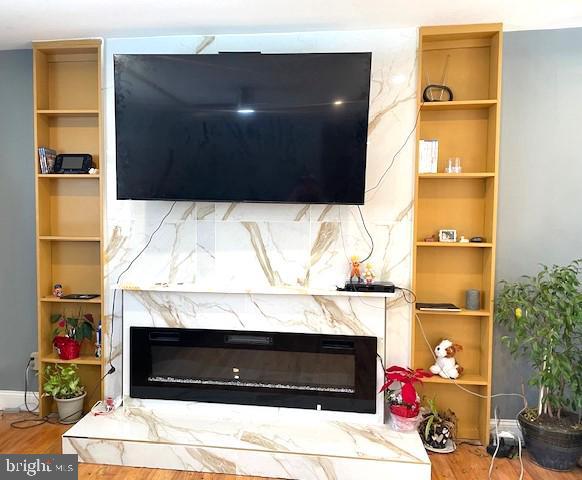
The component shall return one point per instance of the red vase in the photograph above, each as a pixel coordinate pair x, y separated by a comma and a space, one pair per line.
67, 348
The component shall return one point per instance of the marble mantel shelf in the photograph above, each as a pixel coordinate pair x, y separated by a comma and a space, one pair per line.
265, 290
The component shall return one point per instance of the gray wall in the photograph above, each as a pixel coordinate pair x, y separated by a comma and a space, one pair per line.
540, 194
17, 261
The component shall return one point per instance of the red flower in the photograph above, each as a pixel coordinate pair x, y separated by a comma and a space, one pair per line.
62, 324
407, 378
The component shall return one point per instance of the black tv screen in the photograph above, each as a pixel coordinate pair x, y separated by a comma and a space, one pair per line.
242, 127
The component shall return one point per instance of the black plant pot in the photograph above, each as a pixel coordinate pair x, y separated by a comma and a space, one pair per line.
550, 448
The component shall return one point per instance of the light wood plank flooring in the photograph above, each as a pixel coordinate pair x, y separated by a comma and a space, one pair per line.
467, 463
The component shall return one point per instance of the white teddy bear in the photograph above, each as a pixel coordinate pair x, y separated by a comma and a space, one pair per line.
445, 365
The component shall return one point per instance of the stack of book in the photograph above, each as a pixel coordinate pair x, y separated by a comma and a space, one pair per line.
46, 158
428, 155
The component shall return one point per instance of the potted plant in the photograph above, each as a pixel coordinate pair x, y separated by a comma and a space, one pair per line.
437, 429
403, 401
69, 333
543, 314
64, 385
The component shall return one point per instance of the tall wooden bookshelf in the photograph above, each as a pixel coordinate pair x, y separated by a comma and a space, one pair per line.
69, 213
466, 127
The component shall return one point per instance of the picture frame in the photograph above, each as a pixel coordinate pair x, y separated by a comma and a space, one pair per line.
447, 236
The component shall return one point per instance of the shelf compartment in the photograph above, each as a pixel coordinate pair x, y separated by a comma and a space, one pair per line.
464, 379
69, 208
68, 238
91, 377
67, 309
82, 360
462, 313
69, 112
443, 275
69, 176
468, 408
458, 105
465, 331
59, 75
472, 66
69, 300
455, 176
69, 134
462, 133
75, 265
451, 204
454, 245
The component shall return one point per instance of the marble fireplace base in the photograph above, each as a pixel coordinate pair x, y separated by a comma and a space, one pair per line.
277, 448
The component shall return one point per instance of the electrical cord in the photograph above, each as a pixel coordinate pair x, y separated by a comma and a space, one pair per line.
397, 151
369, 236
150, 239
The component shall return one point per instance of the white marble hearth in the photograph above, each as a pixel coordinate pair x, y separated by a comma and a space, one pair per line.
276, 448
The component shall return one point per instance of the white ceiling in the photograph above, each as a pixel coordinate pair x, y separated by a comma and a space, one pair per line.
22, 21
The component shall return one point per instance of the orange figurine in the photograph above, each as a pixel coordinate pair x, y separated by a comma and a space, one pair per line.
355, 269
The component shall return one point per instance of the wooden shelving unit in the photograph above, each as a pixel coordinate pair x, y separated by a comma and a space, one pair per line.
69, 208
467, 127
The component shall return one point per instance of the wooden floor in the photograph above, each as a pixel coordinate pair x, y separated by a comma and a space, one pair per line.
467, 463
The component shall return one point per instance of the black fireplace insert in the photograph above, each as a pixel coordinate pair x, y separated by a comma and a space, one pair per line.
312, 371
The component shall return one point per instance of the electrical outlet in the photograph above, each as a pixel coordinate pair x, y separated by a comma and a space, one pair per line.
34, 363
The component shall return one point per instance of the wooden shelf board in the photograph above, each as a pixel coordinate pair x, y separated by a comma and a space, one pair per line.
82, 360
61, 238
454, 245
457, 176
458, 105
69, 112
68, 176
465, 379
69, 300
466, 313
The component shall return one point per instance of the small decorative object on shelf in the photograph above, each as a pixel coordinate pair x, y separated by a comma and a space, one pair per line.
93, 171
448, 236
404, 402
58, 290
438, 92
98, 343
69, 333
463, 239
428, 152
437, 429
472, 299
355, 270
477, 240
454, 165
64, 385
432, 238
446, 365
369, 274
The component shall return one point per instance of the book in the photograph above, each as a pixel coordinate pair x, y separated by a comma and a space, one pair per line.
428, 152
47, 158
437, 307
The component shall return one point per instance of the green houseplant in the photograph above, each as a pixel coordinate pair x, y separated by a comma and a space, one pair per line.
543, 315
437, 428
64, 385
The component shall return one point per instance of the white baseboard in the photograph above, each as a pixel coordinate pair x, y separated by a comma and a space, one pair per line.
507, 425
15, 399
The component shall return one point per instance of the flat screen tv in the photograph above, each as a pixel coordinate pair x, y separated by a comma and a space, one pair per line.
242, 127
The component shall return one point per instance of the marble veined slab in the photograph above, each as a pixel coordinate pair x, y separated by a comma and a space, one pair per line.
277, 448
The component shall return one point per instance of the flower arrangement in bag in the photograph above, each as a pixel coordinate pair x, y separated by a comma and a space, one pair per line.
403, 402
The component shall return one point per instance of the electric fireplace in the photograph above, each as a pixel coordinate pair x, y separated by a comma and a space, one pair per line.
310, 371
